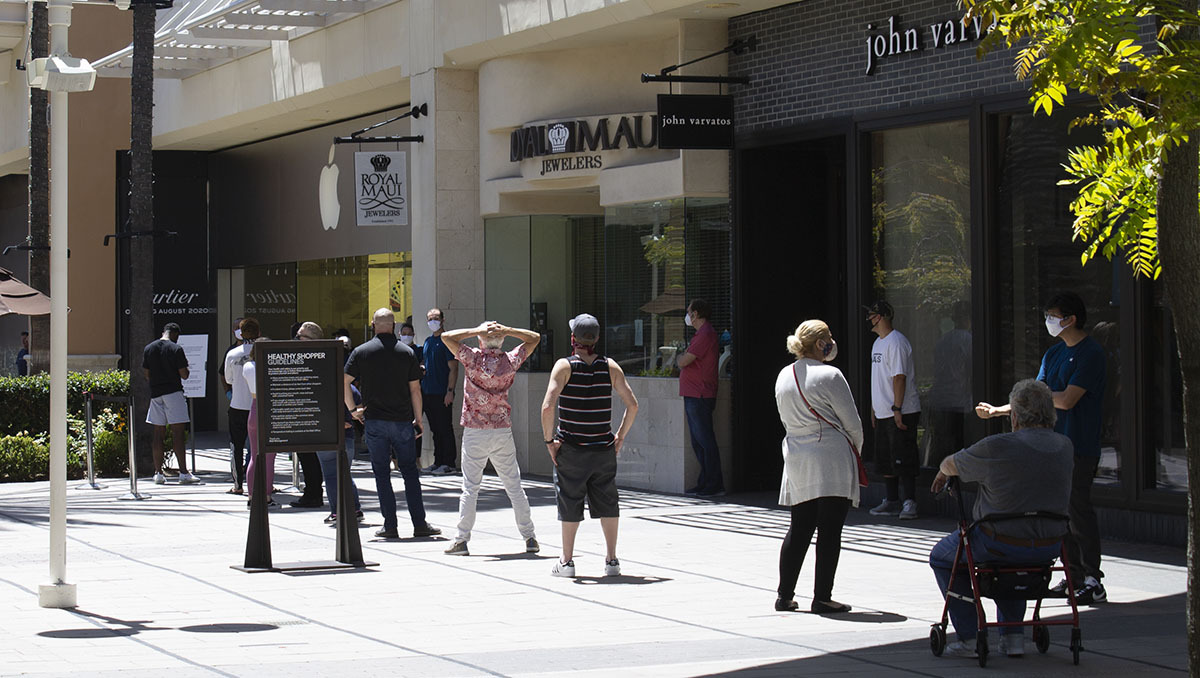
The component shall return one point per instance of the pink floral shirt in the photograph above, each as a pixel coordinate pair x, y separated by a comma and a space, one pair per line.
489, 375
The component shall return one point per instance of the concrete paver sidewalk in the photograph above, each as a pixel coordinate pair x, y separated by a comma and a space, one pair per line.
157, 595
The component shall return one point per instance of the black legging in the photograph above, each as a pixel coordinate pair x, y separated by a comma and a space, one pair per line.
825, 516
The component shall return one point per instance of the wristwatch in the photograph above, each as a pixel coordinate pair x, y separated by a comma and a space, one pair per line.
896, 408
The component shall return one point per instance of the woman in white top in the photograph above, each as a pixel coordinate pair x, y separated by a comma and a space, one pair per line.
820, 469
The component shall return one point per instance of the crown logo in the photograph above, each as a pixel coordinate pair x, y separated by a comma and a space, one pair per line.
558, 135
381, 162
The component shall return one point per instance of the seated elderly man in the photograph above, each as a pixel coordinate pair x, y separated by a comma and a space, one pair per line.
1026, 470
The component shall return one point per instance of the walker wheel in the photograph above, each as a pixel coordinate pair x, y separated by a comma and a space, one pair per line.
937, 640
981, 649
1076, 646
1041, 638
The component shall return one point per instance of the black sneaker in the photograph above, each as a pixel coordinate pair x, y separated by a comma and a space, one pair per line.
384, 533
331, 519
427, 531
1092, 593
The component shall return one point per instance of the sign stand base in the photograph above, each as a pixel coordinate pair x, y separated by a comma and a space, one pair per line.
306, 566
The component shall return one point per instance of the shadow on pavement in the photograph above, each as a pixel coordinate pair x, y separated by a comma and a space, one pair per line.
103, 627
626, 579
1140, 638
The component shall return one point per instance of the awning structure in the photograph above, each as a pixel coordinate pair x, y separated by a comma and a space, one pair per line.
197, 35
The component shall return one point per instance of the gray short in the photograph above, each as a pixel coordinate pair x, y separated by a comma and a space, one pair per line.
586, 472
168, 409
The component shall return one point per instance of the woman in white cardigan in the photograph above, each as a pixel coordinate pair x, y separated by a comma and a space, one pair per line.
820, 468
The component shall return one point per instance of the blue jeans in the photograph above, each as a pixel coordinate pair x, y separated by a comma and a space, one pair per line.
699, 413
329, 465
383, 439
984, 548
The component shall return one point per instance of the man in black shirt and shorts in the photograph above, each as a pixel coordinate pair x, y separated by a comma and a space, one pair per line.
166, 367
583, 448
390, 381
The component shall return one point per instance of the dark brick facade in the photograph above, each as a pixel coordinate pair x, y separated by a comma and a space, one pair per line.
812, 58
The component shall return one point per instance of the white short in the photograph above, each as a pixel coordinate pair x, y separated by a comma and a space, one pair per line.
168, 409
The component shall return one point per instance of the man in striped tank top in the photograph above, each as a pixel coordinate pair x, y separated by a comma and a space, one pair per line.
583, 447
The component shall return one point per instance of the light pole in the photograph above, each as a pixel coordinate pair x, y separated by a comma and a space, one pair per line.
59, 74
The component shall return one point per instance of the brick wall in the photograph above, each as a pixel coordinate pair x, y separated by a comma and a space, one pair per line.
812, 57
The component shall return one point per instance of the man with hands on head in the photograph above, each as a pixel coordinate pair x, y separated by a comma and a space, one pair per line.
487, 425
389, 380
583, 448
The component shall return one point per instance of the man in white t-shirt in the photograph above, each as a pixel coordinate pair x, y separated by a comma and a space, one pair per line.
239, 400
896, 411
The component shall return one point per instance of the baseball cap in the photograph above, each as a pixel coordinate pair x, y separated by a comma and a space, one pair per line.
882, 308
585, 327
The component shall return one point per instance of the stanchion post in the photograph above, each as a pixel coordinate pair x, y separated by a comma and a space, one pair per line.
91, 446
129, 428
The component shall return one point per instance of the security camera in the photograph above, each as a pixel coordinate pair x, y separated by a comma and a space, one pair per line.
61, 74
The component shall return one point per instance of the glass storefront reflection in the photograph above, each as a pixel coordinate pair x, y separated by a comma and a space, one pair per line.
921, 203
1037, 258
338, 294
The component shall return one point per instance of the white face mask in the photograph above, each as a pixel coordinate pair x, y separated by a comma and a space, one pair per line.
1054, 326
406, 339
238, 333
830, 351
434, 325
492, 342
687, 319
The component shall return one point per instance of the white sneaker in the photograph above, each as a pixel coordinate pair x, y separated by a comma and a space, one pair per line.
886, 508
960, 649
909, 512
160, 479
612, 568
188, 479
1013, 644
562, 569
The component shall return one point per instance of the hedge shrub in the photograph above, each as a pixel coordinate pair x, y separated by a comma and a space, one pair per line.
25, 401
24, 422
24, 458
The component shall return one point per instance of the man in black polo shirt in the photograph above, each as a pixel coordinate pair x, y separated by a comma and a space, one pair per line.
389, 379
166, 367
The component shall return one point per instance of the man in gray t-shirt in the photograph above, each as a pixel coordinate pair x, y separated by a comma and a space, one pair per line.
1026, 470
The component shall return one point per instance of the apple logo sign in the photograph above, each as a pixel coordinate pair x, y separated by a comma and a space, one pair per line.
327, 193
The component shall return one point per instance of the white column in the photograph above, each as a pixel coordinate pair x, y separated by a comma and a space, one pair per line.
58, 593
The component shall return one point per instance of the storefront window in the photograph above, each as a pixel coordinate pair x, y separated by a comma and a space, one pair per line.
635, 269
1165, 385
1036, 258
338, 294
921, 206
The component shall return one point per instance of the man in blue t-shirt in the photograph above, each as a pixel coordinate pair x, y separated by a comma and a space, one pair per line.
437, 394
1074, 369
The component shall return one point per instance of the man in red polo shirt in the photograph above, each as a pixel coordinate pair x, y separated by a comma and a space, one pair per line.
698, 386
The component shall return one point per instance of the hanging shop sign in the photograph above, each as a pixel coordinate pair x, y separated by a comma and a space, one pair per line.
381, 188
583, 146
883, 42
695, 121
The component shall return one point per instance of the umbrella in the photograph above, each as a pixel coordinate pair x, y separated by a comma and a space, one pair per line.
17, 297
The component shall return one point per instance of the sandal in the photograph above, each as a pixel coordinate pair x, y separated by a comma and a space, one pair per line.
234, 490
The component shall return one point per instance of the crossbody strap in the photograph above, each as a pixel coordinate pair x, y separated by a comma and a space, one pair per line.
862, 471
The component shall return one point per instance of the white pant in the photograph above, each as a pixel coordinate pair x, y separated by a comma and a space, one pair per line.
479, 445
